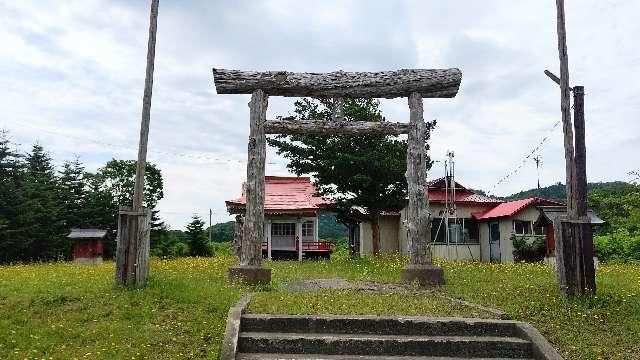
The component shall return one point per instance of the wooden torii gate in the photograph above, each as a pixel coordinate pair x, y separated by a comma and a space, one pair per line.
414, 84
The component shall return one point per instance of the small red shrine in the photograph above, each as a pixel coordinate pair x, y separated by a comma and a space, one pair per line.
88, 245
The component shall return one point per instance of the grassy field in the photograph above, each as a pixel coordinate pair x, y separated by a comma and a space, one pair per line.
61, 311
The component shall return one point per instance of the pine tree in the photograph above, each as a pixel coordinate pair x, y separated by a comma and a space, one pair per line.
72, 194
41, 217
197, 237
11, 171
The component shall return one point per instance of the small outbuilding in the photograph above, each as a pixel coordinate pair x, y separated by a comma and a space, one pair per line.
88, 245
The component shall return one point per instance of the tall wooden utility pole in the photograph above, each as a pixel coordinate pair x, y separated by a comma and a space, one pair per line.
574, 238
537, 160
132, 254
210, 214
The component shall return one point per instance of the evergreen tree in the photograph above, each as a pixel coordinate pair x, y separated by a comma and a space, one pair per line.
40, 217
166, 243
197, 237
11, 170
72, 194
367, 171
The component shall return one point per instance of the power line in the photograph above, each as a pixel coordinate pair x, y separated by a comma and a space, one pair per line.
521, 164
204, 156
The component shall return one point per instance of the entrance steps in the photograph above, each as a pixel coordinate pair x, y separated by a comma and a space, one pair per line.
266, 337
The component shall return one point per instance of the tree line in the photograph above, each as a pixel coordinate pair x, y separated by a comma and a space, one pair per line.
39, 204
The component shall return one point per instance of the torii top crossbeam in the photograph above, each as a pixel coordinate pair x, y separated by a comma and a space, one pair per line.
430, 83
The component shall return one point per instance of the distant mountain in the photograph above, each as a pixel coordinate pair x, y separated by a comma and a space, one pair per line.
330, 228
559, 192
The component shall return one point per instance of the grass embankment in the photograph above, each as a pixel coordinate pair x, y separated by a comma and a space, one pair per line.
61, 311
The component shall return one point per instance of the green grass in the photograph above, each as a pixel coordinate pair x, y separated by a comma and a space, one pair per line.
606, 326
62, 311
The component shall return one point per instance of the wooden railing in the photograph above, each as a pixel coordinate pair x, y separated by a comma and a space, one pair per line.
307, 246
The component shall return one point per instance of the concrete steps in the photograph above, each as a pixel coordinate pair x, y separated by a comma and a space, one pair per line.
379, 325
370, 337
262, 356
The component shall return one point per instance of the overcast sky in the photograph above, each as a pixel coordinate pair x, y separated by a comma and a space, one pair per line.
72, 77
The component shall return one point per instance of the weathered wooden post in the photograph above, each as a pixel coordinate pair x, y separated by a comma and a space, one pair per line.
132, 253
588, 278
250, 269
574, 238
238, 229
420, 268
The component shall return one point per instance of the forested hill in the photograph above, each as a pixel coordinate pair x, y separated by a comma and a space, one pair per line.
558, 191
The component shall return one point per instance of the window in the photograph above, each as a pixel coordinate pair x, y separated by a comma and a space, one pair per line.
283, 229
307, 228
437, 230
521, 227
538, 230
471, 231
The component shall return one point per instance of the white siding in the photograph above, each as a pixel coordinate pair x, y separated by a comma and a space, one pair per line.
456, 252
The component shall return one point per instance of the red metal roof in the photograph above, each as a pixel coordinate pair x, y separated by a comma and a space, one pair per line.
284, 194
465, 196
512, 207
438, 193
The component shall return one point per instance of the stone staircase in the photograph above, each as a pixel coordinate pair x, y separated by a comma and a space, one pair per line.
262, 337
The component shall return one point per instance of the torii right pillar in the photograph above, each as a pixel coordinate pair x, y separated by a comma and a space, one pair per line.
420, 268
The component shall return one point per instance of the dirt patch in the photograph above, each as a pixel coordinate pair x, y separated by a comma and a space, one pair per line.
340, 284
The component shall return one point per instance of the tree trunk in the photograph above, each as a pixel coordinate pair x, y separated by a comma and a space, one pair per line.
375, 232
429, 83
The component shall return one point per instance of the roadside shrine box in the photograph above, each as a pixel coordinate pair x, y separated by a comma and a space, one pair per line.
88, 245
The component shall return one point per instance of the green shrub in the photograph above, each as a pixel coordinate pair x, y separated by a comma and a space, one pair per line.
619, 246
528, 248
221, 248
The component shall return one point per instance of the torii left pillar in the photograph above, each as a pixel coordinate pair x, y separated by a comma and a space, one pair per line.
250, 270
420, 268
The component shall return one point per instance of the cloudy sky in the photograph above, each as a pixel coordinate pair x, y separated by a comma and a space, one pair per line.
72, 76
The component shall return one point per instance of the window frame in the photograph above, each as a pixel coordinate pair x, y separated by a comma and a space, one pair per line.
283, 229
308, 228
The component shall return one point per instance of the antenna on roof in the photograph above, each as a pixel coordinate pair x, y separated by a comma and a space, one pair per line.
537, 160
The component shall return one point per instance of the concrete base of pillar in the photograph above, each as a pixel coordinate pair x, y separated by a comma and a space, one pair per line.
425, 275
250, 275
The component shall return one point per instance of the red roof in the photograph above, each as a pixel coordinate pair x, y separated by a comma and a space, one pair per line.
438, 193
513, 207
464, 196
284, 194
